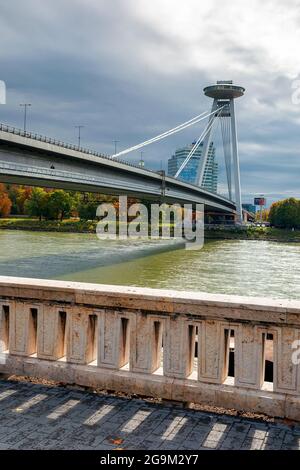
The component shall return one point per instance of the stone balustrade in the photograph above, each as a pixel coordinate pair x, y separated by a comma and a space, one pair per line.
183, 346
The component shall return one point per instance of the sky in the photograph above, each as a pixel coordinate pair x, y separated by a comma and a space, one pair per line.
128, 70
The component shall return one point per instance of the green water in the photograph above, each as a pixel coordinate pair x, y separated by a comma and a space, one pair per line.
255, 268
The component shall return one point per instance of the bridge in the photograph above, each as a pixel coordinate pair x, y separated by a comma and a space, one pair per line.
32, 159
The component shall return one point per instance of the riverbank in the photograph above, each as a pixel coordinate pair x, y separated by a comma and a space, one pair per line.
253, 233
36, 225
212, 233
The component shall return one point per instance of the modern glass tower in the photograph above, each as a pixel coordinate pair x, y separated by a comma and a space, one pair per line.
189, 173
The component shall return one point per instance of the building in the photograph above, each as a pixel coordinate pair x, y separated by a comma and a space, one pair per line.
210, 180
249, 208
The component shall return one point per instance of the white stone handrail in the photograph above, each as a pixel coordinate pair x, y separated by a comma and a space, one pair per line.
168, 344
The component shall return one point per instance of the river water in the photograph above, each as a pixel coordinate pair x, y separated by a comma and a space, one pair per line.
242, 267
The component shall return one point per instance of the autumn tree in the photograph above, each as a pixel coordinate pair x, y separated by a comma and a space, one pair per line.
285, 213
262, 215
5, 202
18, 196
23, 193
37, 203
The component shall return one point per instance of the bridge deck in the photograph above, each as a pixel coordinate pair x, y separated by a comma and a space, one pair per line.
33, 160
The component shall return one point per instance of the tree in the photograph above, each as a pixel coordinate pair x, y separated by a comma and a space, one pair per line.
264, 216
87, 210
87, 207
5, 202
36, 204
23, 193
285, 213
59, 204
18, 196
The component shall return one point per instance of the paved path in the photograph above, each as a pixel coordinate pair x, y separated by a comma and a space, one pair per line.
43, 417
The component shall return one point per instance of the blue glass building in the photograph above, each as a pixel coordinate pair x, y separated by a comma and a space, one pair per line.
210, 179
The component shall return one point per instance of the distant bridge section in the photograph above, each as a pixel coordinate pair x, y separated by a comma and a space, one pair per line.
31, 159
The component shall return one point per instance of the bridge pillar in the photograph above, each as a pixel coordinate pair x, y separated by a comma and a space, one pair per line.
224, 93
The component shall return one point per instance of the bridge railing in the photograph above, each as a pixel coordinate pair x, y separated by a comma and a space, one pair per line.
231, 352
59, 143
48, 140
64, 175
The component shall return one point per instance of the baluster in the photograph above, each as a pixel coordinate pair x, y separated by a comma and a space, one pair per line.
213, 350
249, 365
23, 328
51, 333
179, 347
114, 330
79, 347
285, 372
146, 343
4, 327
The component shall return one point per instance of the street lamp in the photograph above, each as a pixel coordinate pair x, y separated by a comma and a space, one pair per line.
142, 162
116, 142
79, 135
25, 106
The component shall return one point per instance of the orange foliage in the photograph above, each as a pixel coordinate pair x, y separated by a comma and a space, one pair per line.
5, 202
22, 194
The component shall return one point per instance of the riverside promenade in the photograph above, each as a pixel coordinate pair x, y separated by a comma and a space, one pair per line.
34, 416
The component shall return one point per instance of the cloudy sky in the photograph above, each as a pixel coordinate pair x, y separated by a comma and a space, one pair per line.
130, 69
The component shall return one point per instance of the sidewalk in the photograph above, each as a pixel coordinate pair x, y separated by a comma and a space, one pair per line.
34, 416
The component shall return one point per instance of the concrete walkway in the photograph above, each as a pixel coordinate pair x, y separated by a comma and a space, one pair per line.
34, 416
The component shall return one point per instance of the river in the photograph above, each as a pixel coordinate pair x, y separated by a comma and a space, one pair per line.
243, 267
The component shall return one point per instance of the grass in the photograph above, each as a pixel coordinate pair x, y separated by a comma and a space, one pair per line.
67, 225
83, 226
254, 233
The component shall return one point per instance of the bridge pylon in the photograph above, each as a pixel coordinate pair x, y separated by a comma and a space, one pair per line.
224, 93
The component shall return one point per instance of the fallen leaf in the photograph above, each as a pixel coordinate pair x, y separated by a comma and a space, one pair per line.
116, 441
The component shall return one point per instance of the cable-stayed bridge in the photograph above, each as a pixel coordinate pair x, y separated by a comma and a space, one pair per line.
31, 159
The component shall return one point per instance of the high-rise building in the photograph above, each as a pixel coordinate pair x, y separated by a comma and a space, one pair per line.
210, 178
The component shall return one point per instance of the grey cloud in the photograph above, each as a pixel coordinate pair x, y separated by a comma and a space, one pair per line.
86, 62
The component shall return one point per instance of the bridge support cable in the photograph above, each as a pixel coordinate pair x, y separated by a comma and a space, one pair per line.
176, 129
207, 129
226, 133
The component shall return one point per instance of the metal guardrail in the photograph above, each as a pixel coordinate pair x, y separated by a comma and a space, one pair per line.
67, 175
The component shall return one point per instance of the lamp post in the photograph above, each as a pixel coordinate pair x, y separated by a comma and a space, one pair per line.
25, 106
142, 162
79, 134
116, 142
